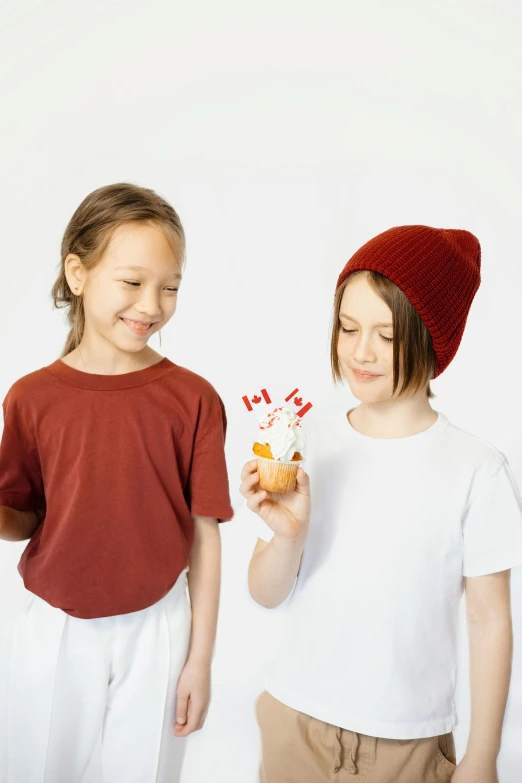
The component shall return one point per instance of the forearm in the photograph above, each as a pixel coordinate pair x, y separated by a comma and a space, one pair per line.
17, 525
273, 569
490, 652
204, 580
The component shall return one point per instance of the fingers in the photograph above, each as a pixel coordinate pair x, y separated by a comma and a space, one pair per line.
181, 710
197, 712
250, 488
256, 499
250, 479
249, 468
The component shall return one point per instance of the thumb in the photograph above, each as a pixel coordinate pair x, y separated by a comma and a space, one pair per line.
181, 708
302, 482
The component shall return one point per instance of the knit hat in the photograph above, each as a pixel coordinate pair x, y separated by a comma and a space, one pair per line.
438, 270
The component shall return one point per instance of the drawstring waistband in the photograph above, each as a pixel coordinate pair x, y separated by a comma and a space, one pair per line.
338, 763
355, 744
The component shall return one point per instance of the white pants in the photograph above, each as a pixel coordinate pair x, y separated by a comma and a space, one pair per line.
72, 680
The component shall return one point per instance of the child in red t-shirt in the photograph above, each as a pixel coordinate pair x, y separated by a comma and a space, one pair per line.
112, 465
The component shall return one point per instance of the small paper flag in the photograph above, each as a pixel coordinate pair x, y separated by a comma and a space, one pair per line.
298, 402
256, 399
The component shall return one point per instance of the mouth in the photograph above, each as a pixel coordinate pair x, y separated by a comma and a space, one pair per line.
365, 376
138, 327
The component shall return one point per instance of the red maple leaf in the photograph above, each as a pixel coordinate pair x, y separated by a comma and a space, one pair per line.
256, 399
298, 401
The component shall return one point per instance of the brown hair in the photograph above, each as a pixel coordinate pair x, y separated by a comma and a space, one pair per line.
409, 333
89, 232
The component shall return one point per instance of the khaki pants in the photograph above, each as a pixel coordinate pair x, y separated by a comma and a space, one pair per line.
299, 749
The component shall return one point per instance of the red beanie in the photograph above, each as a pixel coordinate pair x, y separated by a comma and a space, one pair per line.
438, 270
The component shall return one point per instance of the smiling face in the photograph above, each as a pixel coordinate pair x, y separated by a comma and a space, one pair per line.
132, 292
365, 342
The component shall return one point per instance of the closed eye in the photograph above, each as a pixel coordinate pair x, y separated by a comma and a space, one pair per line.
351, 331
135, 283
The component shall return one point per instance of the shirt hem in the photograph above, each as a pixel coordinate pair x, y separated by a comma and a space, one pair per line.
414, 730
201, 511
500, 565
17, 501
84, 613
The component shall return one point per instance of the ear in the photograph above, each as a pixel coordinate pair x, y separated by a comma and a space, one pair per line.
75, 273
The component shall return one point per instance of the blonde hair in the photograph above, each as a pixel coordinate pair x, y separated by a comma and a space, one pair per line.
89, 232
409, 333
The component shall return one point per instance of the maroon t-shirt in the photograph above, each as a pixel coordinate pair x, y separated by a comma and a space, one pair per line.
120, 463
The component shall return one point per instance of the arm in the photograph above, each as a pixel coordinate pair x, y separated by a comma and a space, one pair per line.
204, 580
18, 525
274, 566
488, 614
273, 569
204, 577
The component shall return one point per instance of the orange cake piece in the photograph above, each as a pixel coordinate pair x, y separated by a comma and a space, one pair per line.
264, 450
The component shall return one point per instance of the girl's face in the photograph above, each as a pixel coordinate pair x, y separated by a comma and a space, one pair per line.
132, 292
365, 345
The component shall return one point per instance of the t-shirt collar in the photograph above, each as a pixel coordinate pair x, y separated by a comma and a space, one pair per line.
438, 426
127, 380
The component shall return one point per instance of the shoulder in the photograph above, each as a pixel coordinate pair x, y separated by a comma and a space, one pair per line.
472, 447
198, 397
190, 382
23, 400
24, 388
471, 458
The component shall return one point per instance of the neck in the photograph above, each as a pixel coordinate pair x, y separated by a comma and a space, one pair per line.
398, 418
106, 359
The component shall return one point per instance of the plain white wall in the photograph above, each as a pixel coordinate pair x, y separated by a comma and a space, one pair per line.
285, 134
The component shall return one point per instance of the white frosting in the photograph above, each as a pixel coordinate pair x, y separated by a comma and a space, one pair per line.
282, 430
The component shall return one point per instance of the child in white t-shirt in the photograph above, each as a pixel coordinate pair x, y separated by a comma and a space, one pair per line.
407, 511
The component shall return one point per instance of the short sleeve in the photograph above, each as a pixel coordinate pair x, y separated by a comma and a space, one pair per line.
492, 525
21, 483
208, 481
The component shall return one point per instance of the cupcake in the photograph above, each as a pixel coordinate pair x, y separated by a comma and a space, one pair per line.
280, 450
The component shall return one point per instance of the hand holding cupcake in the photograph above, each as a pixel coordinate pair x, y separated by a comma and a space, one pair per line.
274, 485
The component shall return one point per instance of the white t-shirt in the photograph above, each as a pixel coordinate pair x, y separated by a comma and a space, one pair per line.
370, 637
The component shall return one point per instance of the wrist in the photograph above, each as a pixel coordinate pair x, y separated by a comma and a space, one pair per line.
200, 657
285, 542
485, 752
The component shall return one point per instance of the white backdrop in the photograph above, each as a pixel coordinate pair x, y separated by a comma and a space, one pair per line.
285, 134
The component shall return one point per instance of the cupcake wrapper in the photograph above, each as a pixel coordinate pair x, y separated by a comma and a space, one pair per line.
277, 476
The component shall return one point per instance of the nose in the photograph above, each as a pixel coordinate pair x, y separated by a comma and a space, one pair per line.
148, 304
363, 351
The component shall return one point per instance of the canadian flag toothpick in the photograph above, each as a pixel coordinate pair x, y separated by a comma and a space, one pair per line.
256, 399
298, 402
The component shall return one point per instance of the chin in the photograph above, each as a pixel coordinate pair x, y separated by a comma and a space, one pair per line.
368, 393
129, 348
367, 397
